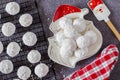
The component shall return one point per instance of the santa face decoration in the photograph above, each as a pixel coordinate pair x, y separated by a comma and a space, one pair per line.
99, 9
101, 12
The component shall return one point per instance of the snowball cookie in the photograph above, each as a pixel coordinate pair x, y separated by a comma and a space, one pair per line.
6, 66
64, 22
26, 20
83, 42
70, 32
13, 49
29, 38
12, 8
41, 70
34, 56
92, 35
79, 25
24, 72
80, 53
68, 46
8, 29
1, 47
60, 36
65, 53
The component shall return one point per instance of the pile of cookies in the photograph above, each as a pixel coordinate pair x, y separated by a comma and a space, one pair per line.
74, 38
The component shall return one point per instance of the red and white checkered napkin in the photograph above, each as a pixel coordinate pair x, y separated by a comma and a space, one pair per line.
100, 68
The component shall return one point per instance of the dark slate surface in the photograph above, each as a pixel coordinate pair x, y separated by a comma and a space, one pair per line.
42, 11
47, 9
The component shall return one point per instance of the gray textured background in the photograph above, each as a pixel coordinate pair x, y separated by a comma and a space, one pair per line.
42, 18
47, 9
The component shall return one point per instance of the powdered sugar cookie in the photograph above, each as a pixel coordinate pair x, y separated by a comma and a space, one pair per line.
41, 70
24, 72
6, 66
34, 56
67, 48
83, 42
60, 37
92, 35
13, 49
8, 29
12, 8
26, 20
79, 25
29, 38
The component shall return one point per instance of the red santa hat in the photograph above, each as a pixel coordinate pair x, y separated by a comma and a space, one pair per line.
64, 10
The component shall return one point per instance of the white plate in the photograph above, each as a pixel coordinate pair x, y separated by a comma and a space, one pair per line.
54, 49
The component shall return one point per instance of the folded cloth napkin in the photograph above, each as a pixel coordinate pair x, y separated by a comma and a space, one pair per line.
100, 68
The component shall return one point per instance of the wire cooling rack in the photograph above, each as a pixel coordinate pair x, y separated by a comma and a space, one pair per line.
27, 6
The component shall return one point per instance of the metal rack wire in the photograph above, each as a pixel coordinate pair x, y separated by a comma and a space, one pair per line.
27, 6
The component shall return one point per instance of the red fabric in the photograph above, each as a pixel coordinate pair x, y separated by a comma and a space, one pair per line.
100, 68
93, 3
64, 10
